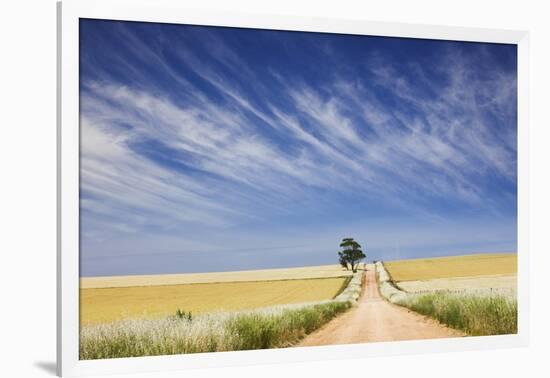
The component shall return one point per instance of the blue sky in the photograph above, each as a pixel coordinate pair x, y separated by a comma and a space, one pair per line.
214, 149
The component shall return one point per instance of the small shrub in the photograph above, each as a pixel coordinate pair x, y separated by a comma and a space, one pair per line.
184, 315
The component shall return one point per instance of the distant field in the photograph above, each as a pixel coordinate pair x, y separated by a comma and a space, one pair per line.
481, 285
99, 305
452, 266
321, 271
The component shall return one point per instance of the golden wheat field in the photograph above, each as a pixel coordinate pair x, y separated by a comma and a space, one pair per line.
100, 305
452, 266
320, 271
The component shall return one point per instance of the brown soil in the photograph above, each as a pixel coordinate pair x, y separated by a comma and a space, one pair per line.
375, 319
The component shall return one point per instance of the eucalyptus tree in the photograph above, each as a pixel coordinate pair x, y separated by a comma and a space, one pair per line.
351, 254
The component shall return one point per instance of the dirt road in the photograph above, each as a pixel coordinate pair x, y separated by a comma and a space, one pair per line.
375, 319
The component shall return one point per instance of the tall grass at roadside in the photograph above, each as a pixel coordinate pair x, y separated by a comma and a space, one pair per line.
345, 284
270, 327
473, 314
261, 329
258, 331
476, 313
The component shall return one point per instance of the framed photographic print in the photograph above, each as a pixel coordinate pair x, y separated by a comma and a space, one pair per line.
238, 189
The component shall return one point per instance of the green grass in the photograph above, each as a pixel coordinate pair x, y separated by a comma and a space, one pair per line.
473, 314
262, 329
257, 331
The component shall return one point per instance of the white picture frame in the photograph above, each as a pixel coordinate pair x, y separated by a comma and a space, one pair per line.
171, 11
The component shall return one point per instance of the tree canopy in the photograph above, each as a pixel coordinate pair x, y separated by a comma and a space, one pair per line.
351, 254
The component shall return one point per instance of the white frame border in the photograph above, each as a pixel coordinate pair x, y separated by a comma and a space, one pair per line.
170, 11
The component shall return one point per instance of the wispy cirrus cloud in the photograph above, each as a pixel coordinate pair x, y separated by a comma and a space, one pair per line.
191, 131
